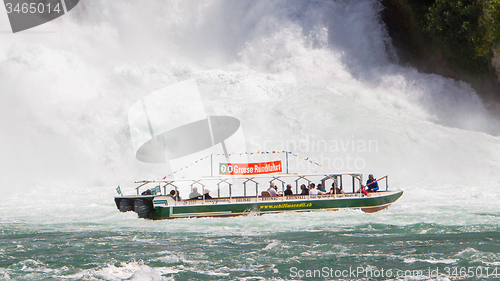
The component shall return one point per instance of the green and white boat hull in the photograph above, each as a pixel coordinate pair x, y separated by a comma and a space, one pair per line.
165, 207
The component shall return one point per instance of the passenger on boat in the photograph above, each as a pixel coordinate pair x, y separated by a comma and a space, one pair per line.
288, 190
372, 184
362, 189
194, 194
207, 194
147, 192
335, 189
273, 190
304, 189
321, 188
175, 195
314, 191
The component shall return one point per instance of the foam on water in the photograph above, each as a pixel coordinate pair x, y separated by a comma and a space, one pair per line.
153, 255
132, 270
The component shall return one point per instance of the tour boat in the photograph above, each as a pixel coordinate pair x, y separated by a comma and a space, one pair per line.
235, 195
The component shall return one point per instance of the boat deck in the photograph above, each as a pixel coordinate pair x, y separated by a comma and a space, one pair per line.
264, 199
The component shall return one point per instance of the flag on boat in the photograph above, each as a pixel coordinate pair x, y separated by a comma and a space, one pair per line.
155, 190
119, 190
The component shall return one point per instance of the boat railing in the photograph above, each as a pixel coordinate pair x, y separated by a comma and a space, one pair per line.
338, 180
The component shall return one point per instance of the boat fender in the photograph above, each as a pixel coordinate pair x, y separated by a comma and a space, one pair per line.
142, 208
126, 205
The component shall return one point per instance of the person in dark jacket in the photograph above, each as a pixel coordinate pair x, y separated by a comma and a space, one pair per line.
207, 194
335, 189
194, 194
304, 189
371, 184
288, 190
175, 195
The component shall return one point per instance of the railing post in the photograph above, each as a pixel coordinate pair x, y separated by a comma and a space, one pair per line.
334, 187
203, 195
176, 195
282, 191
354, 185
137, 188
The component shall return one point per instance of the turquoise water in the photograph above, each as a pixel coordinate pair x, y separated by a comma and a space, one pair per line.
408, 241
216, 252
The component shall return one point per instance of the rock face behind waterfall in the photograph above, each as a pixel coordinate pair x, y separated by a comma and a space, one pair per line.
410, 25
496, 63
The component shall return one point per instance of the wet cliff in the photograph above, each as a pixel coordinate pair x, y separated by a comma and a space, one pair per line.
456, 39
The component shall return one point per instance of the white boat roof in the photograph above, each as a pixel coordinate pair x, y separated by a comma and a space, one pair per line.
227, 177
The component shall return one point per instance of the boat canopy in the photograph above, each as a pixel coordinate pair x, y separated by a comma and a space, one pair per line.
250, 185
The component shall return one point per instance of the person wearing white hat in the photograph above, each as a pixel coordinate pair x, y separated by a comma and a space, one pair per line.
273, 190
206, 194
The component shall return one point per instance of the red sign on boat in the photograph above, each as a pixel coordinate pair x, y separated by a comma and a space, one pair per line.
250, 168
